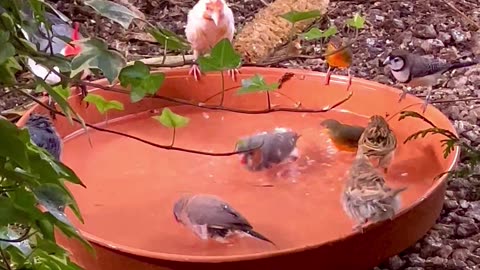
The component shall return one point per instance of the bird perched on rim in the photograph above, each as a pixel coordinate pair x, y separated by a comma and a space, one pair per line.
277, 147
344, 137
208, 22
61, 30
366, 197
341, 59
44, 135
414, 70
209, 217
378, 141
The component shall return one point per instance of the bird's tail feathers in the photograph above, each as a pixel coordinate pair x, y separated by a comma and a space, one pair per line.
258, 235
464, 64
397, 191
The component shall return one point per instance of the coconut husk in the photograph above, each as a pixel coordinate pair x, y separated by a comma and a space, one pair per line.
267, 31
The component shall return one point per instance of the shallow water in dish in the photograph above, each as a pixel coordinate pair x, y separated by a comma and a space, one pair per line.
131, 186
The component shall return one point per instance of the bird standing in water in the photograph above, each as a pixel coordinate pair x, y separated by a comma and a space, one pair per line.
378, 141
344, 137
366, 197
208, 22
414, 71
341, 59
209, 217
277, 147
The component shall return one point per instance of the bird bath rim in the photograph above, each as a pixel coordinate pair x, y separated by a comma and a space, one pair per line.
183, 72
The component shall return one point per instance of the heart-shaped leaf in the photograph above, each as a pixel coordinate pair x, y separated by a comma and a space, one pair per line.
170, 119
54, 199
168, 39
95, 54
102, 104
115, 12
312, 34
356, 22
331, 31
256, 84
222, 57
297, 16
141, 81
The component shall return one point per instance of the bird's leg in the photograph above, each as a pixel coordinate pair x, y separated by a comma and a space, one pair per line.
51, 104
83, 93
404, 93
195, 71
233, 73
349, 79
427, 99
327, 78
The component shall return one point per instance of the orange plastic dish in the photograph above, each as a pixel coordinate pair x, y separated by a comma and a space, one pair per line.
131, 186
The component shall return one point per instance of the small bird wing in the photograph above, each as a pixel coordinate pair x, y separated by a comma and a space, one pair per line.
422, 66
231, 23
193, 30
279, 146
215, 213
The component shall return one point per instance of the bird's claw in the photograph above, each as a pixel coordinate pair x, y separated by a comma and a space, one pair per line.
424, 106
83, 93
327, 77
402, 95
195, 71
233, 74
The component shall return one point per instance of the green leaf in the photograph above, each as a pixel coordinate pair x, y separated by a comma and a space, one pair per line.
10, 214
8, 70
170, 119
102, 104
141, 81
115, 12
7, 21
95, 54
297, 16
256, 84
12, 146
313, 34
62, 91
168, 39
356, 22
222, 57
54, 199
331, 31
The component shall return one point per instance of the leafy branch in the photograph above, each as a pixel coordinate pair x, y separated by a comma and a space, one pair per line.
449, 143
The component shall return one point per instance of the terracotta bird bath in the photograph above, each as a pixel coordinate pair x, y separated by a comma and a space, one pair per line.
131, 186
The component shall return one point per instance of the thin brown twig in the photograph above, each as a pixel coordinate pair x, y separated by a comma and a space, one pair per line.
166, 147
469, 20
22, 238
222, 108
4, 258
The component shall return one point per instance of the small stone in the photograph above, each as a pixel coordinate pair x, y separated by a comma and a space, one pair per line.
436, 262
474, 258
398, 24
466, 229
370, 41
445, 251
460, 254
464, 204
431, 45
458, 36
450, 204
425, 31
471, 135
455, 264
457, 81
379, 18
415, 260
414, 268
396, 263
444, 37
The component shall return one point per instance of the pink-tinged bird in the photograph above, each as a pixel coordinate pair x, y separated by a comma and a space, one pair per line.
209, 217
209, 21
